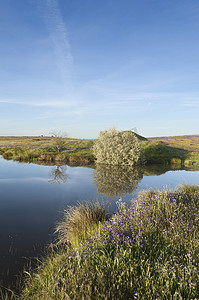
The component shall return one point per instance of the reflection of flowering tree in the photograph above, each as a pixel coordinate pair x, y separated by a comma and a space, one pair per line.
58, 174
115, 181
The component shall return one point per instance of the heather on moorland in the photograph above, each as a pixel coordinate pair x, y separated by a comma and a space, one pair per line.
148, 250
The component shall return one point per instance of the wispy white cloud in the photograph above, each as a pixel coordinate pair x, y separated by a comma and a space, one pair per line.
54, 103
55, 25
194, 104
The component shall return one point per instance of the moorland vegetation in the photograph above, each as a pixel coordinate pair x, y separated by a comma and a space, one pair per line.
181, 151
148, 250
51, 150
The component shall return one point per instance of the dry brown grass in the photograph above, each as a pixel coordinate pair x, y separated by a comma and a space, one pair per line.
33, 142
186, 142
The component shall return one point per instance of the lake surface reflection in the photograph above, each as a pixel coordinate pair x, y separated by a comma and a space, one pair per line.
33, 197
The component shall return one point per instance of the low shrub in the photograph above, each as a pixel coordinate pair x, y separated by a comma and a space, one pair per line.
117, 148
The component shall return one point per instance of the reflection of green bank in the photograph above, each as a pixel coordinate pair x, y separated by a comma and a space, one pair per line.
192, 160
155, 169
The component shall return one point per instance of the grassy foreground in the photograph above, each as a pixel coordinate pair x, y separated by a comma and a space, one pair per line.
179, 150
148, 250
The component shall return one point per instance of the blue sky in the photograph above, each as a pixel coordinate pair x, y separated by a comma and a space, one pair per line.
85, 65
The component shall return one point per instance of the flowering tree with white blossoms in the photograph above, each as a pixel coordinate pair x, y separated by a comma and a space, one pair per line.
117, 148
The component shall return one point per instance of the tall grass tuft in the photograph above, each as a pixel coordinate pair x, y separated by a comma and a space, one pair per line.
81, 222
189, 188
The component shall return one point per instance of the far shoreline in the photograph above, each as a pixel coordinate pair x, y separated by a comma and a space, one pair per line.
171, 150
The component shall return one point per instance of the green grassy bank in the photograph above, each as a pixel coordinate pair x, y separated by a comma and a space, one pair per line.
162, 153
148, 250
182, 151
45, 149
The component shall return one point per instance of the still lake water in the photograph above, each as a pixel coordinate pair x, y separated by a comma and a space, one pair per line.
33, 198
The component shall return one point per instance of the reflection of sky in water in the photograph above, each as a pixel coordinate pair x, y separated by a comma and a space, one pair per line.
31, 204
170, 180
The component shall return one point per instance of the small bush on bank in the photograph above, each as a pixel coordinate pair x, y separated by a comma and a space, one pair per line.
117, 148
147, 251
